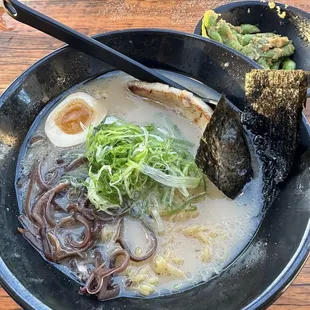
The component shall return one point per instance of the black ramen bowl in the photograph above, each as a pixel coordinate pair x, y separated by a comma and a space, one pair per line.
261, 272
295, 25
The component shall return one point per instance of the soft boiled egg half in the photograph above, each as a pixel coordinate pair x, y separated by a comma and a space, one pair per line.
65, 125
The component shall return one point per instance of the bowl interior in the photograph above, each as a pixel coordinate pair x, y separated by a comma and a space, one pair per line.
295, 25
262, 270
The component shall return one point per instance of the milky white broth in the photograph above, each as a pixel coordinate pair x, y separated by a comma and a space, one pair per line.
231, 223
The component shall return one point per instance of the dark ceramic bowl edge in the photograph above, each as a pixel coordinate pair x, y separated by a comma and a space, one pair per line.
20, 295
28, 301
289, 274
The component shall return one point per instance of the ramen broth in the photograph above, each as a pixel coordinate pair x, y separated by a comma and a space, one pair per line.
196, 245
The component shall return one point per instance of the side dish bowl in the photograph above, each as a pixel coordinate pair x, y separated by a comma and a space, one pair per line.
295, 24
254, 280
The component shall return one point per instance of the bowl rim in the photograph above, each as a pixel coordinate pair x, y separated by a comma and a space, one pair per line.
238, 4
28, 301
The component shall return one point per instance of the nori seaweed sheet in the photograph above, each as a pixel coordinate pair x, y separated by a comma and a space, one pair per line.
274, 103
223, 153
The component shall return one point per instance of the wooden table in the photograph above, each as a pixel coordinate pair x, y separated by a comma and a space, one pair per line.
21, 46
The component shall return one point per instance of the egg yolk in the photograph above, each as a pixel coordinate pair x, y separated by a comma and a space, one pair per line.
70, 117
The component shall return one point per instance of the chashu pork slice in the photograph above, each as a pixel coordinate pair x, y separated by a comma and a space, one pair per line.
182, 101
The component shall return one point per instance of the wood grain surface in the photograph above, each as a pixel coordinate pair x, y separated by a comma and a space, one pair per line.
21, 46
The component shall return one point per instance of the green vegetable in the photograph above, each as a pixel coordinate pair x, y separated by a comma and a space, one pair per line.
267, 49
245, 39
263, 63
214, 35
288, 64
249, 29
209, 19
227, 36
276, 65
276, 53
140, 167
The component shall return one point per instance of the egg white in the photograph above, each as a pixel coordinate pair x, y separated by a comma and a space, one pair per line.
62, 139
